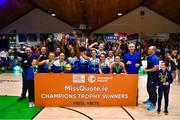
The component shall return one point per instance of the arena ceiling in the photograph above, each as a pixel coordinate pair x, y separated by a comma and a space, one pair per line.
93, 13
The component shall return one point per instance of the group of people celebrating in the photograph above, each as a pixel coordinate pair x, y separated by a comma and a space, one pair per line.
76, 56
80, 60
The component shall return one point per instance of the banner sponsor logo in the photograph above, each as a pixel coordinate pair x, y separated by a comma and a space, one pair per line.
91, 79
104, 78
78, 78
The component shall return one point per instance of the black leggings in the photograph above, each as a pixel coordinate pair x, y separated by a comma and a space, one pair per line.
24, 85
30, 87
162, 91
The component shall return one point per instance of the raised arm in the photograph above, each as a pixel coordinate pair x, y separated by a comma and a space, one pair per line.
41, 63
100, 71
111, 68
92, 45
85, 56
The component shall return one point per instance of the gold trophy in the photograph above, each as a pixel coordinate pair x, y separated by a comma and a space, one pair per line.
68, 68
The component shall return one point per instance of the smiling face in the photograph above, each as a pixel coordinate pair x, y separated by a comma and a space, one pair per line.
28, 51
51, 56
62, 57
34, 62
93, 53
110, 53
43, 50
72, 52
58, 50
101, 46
163, 66
117, 59
102, 57
70, 47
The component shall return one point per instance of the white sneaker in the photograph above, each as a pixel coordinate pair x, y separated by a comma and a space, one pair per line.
33, 104
30, 104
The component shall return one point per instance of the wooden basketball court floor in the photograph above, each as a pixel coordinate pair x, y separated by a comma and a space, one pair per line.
10, 84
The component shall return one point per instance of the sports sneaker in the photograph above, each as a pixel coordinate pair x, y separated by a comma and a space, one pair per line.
147, 102
151, 107
166, 112
33, 105
30, 104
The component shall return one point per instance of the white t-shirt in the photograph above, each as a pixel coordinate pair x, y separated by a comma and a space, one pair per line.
3, 54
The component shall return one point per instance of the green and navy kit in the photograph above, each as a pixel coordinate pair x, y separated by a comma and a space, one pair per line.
83, 65
98, 52
45, 68
94, 65
44, 57
74, 61
58, 66
117, 69
104, 68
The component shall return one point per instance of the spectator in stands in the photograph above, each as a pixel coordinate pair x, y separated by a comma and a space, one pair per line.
172, 61
57, 51
3, 56
72, 38
50, 45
